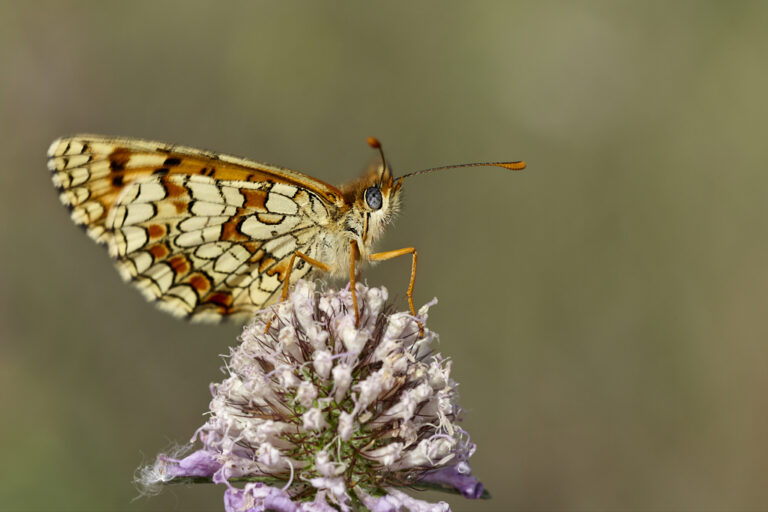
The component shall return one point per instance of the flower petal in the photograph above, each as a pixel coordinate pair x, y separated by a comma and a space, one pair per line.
257, 497
469, 486
199, 463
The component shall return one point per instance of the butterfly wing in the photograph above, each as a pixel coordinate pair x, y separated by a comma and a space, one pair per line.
91, 171
206, 235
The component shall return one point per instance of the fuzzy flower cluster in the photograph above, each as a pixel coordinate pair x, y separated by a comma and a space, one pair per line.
320, 412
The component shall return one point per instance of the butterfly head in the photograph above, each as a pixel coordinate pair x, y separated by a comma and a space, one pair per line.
374, 199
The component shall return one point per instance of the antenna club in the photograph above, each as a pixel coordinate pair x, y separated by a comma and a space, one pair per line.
512, 166
374, 142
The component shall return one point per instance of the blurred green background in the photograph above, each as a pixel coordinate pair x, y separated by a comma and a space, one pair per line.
605, 309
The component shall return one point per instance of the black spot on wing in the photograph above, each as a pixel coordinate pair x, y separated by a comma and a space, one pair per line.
172, 162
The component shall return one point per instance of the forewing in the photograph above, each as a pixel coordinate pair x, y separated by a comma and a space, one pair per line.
92, 171
208, 248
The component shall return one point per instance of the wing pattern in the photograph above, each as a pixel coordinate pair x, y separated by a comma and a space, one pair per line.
204, 234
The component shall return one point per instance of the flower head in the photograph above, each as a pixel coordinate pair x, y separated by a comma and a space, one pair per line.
320, 412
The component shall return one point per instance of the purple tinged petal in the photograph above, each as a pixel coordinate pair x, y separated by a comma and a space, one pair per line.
199, 463
319, 504
279, 503
257, 497
220, 478
469, 486
384, 503
234, 500
414, 505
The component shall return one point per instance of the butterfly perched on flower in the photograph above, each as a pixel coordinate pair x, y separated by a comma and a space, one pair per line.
210, 236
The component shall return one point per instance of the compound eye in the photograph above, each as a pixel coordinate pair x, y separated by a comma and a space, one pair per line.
373, 198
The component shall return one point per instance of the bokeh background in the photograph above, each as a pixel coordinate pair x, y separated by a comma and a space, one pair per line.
606, 309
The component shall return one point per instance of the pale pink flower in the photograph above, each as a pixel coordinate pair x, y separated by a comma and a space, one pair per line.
322, 413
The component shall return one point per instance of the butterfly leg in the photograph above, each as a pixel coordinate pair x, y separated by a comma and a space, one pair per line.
353, 254
388, 255
287, 279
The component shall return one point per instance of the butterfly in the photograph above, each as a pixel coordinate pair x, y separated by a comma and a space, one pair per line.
209, 236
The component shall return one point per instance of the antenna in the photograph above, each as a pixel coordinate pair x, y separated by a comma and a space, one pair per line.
375, 144
512, 166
